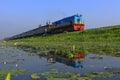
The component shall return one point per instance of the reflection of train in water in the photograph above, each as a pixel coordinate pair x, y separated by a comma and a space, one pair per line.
75, 62
72, 23
78, 62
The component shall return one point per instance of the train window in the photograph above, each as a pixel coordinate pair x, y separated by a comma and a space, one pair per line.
78, 20
45, 30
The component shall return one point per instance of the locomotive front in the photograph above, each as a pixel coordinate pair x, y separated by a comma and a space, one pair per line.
78, 23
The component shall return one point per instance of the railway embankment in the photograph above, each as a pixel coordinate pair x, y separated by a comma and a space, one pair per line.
105, 40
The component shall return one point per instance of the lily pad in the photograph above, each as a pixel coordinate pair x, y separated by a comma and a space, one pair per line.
55, 75
100, 74
34, 76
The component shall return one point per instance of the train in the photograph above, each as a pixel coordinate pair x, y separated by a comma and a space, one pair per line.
72, 23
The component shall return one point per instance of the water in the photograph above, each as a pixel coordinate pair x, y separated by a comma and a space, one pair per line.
37, 63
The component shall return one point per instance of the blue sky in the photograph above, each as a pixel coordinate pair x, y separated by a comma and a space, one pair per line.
17, 16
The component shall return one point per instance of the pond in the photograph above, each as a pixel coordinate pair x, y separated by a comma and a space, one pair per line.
13, 58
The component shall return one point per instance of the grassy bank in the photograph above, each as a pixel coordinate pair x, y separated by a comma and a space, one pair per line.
91, 35
99, 40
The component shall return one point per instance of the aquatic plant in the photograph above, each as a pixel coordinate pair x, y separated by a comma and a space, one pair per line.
100, 74
9, 73
8, 77
70, 55
55, 75
34, 76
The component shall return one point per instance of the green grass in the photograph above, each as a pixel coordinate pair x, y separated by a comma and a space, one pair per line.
98, 34
99, 40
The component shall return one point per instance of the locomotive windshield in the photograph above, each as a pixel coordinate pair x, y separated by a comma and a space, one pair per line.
78, 20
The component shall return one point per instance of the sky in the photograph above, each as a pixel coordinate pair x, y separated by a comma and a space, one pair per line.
17, 16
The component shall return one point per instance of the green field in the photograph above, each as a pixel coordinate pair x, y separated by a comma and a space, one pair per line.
105, 40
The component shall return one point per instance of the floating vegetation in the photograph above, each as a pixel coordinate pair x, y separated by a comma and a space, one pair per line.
100, 74
55, 75
31, 54
6, 73
34, 76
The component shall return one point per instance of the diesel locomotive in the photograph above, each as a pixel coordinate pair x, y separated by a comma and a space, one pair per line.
72, 23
